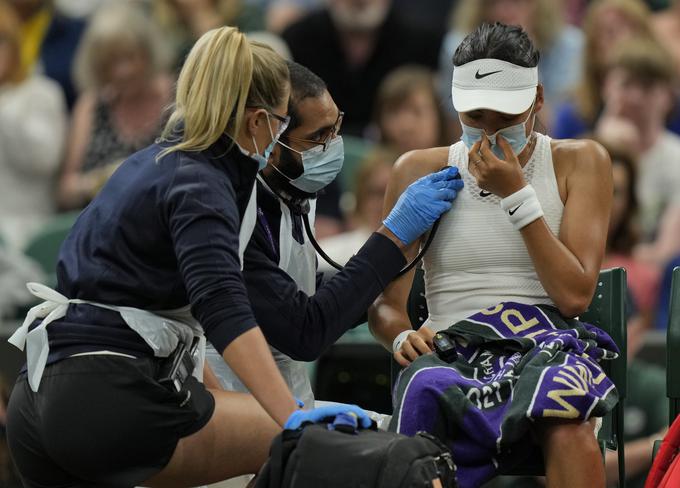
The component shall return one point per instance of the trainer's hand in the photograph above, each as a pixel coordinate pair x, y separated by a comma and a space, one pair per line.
416, 344
299, 417
422, 203
500, 177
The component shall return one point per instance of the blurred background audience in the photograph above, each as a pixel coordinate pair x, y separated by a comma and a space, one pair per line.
606, 24
666, 26
32, 132
124, 91
49, 41
184, 21
638, 95
352, 45
624, 235
364, 209
407, 112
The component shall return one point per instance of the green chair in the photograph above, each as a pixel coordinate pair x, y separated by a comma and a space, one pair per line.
44, 246
673, 349
607, 311
356, 150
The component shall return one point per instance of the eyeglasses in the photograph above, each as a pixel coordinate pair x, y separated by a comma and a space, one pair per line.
284, 120
332, 133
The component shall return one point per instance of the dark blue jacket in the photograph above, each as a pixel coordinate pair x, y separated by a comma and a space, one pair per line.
303, 326
159, 236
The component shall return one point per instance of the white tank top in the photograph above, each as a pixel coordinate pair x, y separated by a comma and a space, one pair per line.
477, 259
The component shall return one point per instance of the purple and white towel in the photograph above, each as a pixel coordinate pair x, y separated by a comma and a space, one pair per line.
516, 363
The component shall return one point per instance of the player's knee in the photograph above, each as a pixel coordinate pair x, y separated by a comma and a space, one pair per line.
568, 436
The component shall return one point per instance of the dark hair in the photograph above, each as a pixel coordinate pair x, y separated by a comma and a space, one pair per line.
303, 84
625, 236
497, 41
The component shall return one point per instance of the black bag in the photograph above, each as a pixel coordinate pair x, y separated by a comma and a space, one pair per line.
339, 456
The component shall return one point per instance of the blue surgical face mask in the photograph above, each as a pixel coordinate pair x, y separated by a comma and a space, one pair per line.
263, 158
516, 135
320, 167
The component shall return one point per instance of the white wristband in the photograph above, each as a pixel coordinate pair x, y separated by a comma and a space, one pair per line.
398, 341
522, 207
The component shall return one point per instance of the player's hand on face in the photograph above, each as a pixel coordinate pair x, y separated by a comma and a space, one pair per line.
498, 176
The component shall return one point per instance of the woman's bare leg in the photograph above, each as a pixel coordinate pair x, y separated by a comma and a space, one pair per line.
235, 441
572, 454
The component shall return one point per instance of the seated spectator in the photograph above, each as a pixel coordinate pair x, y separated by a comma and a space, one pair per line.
408, 114
607, 23
370, 184
353, 45
184, 21
48, 42
638, 94
560, 44
119, 69
32, 134
643, 279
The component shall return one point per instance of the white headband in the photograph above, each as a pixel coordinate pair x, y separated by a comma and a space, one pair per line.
495, 85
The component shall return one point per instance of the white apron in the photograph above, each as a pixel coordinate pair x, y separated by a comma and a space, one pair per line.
162, 330
299, 262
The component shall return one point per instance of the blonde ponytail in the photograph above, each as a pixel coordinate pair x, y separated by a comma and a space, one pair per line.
223, 74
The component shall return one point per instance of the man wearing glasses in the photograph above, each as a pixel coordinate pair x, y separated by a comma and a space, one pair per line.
299, 315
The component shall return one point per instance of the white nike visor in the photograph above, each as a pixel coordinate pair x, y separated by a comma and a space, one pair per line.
494, 85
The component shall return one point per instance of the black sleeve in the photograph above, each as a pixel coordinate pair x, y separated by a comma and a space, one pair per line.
204, 223
302, 326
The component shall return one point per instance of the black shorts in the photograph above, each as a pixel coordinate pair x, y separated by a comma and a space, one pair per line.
100, 421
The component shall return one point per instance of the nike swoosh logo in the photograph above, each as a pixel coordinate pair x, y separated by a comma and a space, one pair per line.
479, 75
512, 212
483, 193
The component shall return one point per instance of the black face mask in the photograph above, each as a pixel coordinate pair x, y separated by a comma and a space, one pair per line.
289, 165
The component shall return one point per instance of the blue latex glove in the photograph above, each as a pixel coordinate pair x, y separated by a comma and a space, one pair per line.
299, 417
422, 203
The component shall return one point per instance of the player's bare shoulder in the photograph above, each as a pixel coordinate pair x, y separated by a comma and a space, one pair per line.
415, 164
582, 155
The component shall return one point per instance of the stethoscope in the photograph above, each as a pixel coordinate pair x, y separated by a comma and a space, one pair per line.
404, 270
